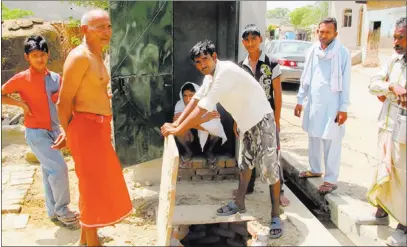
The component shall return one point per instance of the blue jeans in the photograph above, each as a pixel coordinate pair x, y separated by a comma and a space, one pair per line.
54, 170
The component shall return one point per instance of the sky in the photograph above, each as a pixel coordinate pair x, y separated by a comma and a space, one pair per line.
287, 4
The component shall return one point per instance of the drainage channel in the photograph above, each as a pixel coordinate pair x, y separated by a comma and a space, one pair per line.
323, 217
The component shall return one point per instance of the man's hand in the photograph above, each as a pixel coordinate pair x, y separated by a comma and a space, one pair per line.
60, 142
297, 110
176, 116
341, 117
211, 115
168, 129
400, 93
26, 109
235, 129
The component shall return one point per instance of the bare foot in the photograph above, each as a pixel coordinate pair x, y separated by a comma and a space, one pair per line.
284, 202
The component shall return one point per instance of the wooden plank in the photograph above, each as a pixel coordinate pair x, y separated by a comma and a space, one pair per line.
169, 172
204, 214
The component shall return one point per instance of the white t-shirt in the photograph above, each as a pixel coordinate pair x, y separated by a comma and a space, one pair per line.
237, 91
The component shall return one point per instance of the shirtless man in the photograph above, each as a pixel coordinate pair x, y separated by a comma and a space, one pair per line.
85, 114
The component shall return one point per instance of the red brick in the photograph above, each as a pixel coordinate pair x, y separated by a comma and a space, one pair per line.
198, 164
227, 171
230, 163
185, 174
206, 172
220, 163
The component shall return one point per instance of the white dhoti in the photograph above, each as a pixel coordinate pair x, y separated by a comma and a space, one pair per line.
389, 184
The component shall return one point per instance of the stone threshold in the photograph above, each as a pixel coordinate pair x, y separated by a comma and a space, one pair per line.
343, 210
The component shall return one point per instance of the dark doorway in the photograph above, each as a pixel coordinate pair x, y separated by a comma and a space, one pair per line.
195, 21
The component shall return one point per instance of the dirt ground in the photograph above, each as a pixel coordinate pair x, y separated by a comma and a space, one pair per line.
138, 229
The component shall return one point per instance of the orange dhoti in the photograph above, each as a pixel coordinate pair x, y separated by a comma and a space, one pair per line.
103, 196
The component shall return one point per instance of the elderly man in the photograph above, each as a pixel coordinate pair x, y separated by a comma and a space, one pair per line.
85, 114
254, 124
388, 191
325, 82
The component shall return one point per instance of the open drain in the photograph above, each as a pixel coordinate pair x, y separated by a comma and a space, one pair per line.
214, 235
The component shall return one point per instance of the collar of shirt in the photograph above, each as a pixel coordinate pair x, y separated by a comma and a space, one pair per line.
35, 74
329, 46
262, 58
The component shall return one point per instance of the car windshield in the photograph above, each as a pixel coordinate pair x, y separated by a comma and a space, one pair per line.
294, 47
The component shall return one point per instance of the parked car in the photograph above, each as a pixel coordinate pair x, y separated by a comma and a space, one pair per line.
291, 57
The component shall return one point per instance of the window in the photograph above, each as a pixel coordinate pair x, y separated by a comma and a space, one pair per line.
270, 47
294, 47
347, 18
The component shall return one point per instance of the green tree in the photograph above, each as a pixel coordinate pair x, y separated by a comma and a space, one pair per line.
308, 15
11, 14
102, 4
278, 13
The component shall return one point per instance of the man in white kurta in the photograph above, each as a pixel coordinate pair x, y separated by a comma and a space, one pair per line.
325, 83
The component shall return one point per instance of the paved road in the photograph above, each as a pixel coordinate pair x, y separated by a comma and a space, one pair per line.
359, 144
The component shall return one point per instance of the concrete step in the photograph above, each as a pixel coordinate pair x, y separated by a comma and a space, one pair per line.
343, 209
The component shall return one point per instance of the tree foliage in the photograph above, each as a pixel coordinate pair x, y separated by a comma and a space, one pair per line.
309, 15
102, 4
11, 14
278, 13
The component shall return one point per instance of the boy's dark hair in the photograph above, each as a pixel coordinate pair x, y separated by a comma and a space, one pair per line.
35, 43
250, 29
204, 47
188, 87
329, 20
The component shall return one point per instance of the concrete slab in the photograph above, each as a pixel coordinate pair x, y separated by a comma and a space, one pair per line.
343, 209
197, 202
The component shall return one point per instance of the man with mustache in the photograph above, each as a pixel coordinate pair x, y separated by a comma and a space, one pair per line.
388, 191
85, 114
325, 82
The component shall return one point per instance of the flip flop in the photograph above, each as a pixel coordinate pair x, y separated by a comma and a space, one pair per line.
229, 209
276, 225
309, 174
397, 238
331, 187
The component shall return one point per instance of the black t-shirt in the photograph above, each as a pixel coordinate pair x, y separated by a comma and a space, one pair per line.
267, 69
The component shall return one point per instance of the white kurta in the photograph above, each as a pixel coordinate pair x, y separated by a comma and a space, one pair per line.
323, 104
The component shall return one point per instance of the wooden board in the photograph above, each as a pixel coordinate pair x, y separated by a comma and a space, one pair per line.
169, 172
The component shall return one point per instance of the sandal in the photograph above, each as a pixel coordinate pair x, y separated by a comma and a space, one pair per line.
309, 174
397, 238
229, 209
275, 225
330, 187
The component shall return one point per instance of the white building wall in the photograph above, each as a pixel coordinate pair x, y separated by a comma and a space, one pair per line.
251, 12
347, 35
